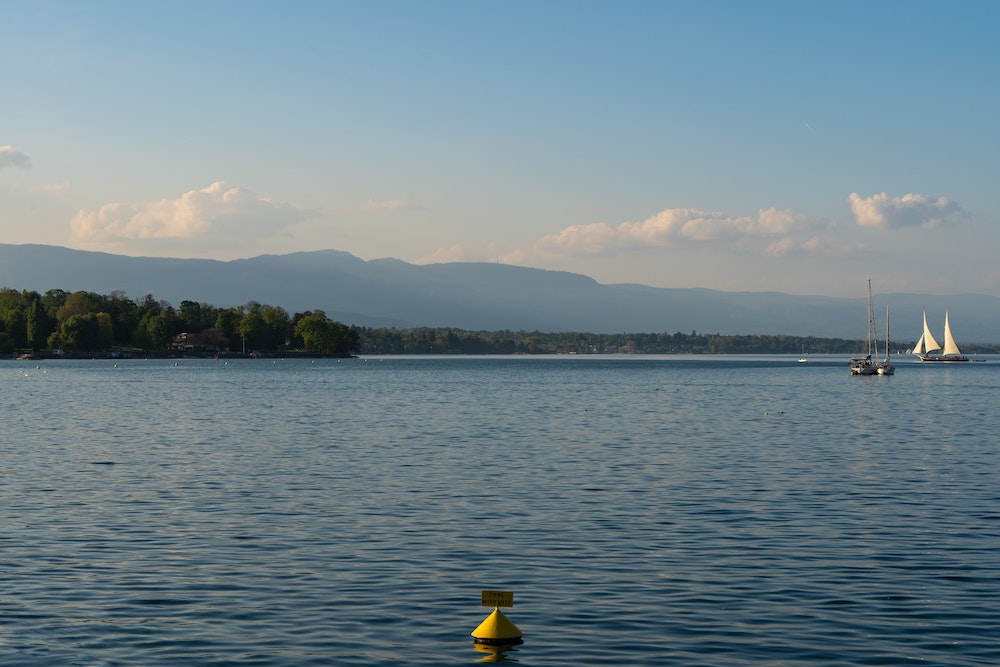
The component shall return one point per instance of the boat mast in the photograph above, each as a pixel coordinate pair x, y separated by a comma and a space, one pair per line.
887, 333
872, 339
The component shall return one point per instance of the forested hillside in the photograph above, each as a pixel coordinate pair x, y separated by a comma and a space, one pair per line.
84, 324
87, 324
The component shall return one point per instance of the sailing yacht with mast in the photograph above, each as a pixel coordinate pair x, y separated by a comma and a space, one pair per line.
927, 344
885, 366
866, 365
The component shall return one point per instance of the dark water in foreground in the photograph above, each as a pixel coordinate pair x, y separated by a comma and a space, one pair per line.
644, 510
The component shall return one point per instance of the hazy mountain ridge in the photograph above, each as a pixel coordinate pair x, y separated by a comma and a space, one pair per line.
483, 296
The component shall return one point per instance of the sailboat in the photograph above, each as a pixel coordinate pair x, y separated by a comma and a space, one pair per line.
927, 344
885, 366
866, 365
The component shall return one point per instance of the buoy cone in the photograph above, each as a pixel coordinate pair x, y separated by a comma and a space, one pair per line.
497, 630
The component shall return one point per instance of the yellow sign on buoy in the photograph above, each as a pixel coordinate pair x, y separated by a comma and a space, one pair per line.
497, 629
498, 599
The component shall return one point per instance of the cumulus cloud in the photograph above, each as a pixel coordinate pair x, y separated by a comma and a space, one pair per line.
813, 246
781, 247
912, 210
671, 225
453, 253
13, 158
216, 211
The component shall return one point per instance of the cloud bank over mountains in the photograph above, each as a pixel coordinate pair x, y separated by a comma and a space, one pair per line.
216, 213
224, 220
225, 213
678, 225
772, 232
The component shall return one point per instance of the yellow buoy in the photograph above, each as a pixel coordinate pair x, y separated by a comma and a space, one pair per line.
497, 630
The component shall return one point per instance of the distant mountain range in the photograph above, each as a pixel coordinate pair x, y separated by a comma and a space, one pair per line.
483, 296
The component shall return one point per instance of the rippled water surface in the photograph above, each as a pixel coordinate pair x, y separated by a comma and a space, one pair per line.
644, 510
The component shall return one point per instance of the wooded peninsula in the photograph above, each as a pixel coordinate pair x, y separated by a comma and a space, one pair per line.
85, 324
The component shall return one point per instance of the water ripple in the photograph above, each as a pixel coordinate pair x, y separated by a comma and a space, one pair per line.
646, 511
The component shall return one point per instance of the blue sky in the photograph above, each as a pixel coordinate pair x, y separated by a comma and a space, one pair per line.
799, 147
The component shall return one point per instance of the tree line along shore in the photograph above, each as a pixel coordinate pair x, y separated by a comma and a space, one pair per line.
86, 324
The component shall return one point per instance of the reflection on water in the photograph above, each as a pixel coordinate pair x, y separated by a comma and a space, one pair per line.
496, 653
647, 511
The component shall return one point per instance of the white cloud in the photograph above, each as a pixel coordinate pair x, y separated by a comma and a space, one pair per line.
13, 158
213, 212
912, 210
669, 226
781, 247
815, 245
454, 253
48, 189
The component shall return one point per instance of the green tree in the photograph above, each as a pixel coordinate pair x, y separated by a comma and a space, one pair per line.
105, 331
251, 329
278, 326
51, 302
194, 316
79, 303
83, 332
14, 317
321, 335
35, 325
125, 316
227, 320
155, 331
189, 314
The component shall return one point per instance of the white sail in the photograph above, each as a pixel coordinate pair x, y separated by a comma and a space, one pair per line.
949, 341
928, 341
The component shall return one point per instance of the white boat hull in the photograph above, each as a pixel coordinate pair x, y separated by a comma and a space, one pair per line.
863, 367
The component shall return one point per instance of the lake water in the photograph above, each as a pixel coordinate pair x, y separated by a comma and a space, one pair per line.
643, 510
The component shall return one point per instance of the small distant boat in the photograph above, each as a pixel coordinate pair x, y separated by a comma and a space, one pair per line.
927, 344
866, 365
